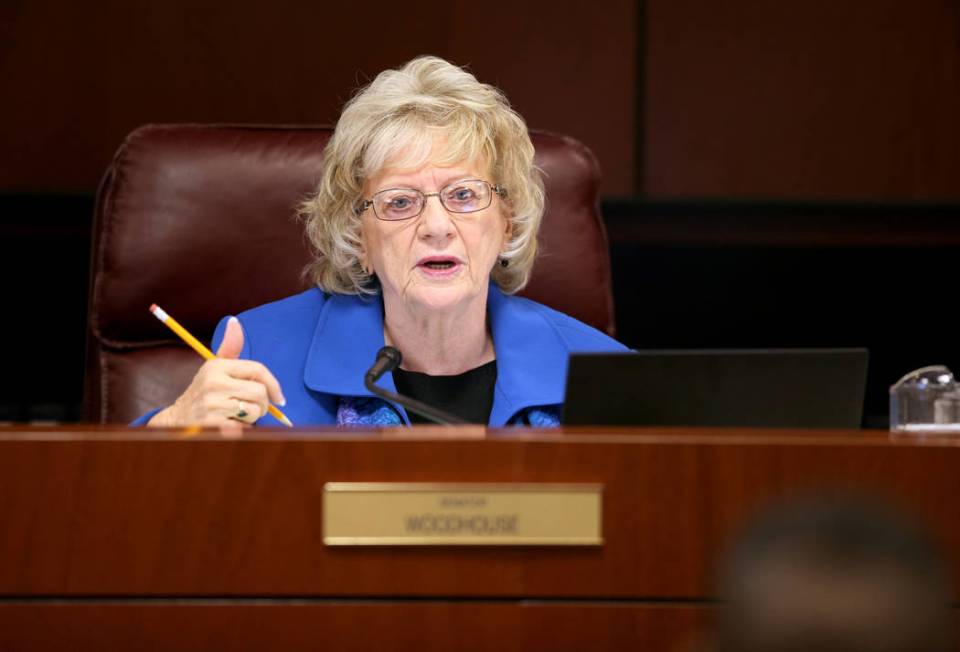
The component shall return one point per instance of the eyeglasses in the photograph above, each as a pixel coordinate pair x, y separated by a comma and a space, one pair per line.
467, 196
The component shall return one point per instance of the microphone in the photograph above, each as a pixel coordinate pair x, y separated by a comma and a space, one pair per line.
388, 359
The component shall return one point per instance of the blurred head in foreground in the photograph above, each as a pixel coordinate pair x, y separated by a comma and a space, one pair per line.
834, 576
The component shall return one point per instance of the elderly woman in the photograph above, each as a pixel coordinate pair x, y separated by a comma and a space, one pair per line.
423, 226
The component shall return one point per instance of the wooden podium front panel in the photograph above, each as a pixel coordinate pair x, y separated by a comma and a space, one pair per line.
141, 513
419, 626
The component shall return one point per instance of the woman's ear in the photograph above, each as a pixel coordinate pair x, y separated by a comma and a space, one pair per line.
364, 258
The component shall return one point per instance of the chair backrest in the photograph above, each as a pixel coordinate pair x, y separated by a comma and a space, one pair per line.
200, 220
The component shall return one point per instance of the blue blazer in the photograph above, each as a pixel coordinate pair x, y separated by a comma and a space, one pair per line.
319, 346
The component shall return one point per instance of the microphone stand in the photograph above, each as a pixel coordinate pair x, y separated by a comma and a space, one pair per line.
380, 367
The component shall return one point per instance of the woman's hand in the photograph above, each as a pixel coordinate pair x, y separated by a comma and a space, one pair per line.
226, 392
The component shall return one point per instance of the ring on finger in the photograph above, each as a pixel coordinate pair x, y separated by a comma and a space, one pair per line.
241, 412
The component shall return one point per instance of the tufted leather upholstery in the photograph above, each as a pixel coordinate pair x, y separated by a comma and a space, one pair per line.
200, 220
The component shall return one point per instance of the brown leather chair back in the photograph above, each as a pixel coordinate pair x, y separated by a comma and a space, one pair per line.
200, 220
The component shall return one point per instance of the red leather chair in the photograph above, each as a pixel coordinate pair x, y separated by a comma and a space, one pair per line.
200, 220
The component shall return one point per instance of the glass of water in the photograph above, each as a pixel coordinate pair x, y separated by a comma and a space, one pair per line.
925, 400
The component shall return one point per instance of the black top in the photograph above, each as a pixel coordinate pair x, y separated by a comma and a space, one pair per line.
468, 395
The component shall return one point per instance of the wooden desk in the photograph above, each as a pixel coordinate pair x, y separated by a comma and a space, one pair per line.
127, 539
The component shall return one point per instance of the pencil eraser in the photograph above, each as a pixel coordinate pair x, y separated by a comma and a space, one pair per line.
159, 313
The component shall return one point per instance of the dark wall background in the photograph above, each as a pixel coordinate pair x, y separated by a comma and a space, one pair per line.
802, 99
85, 74
775, 173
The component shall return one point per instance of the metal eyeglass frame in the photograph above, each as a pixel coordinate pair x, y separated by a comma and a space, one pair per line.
367, 203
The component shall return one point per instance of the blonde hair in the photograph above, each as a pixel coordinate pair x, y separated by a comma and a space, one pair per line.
390, 117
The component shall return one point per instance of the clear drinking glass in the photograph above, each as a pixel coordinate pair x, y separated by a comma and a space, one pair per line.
925, 400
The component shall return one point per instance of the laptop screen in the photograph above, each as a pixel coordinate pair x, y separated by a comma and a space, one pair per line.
773, 388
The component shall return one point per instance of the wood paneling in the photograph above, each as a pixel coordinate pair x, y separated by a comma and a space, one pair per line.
150, 540
802, 99
296, 627
138, 513
77, 78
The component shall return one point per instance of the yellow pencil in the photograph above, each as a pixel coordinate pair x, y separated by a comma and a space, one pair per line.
207, 354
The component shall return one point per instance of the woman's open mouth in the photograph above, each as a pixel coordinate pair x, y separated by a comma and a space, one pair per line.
437, 266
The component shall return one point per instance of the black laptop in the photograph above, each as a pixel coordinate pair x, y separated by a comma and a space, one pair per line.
772, 388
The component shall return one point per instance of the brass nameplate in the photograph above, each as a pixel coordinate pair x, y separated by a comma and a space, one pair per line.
416, 514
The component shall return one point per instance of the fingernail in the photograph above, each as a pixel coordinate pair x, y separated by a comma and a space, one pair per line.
282, 401
233, 320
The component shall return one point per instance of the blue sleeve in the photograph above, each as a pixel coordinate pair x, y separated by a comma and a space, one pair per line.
142, 420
